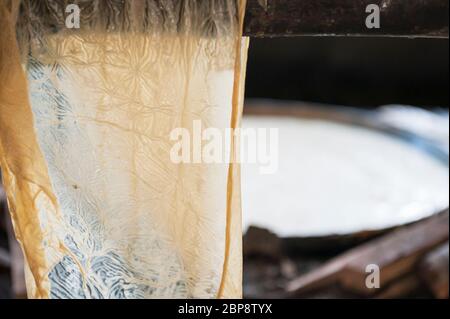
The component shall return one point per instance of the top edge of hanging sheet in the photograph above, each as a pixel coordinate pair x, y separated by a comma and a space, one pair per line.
213, 18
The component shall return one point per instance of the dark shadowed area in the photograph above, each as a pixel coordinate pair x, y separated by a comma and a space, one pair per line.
364, 72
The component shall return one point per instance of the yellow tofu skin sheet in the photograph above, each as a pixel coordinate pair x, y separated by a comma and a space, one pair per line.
99, 207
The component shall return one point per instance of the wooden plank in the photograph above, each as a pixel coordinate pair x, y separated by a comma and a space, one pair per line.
411, 18
396, 254
403, 287
434, 271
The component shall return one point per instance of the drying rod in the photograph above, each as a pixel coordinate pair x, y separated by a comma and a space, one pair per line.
283, 18
397, 18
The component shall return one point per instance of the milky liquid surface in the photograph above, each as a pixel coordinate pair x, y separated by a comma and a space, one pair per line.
338, 179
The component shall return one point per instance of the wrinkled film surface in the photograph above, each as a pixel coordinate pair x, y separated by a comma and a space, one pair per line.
85, 118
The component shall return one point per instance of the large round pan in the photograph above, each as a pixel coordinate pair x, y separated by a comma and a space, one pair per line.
388, 122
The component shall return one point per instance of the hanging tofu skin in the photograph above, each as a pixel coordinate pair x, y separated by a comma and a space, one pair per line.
99, 207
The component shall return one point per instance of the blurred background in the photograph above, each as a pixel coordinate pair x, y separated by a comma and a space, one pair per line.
361, 72
331, 90
321, 247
